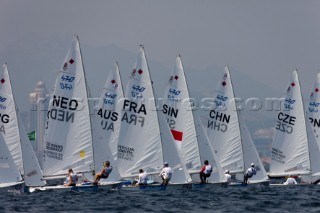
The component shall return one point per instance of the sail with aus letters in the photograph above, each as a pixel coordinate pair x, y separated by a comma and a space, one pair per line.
106, 124
145, 140
68, 136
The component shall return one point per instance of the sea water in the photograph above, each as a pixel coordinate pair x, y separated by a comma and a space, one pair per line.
237, 199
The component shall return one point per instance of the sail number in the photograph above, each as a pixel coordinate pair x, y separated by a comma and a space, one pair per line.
137, 91
285, 123
67, 78
2, 99
109, 98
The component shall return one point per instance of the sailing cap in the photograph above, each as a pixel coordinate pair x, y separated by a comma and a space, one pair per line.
252, 164
227, 171
166, 164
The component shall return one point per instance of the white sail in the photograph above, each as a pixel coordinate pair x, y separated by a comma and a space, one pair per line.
250, 154
177, 108
8, 169
206, 153
290, 153
32, 171
171, 154
222, 126
9, 126
15, 135
68, 138
313, 124
106, 124
141, 142
109, 109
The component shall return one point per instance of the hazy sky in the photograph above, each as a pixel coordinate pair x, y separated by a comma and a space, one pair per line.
263, 39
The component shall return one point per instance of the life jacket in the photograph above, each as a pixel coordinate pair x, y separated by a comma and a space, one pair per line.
74, 178
208, 169
143, 178
107, 171
251, 171
166, 173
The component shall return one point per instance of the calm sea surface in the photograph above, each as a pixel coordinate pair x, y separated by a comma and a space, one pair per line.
240, 199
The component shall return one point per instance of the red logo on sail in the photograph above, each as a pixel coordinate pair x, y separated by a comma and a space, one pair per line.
224, 83
317, 90
177, 135
2, 81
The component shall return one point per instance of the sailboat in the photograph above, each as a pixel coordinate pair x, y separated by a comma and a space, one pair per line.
294, 148
313, 113
107, 122
17, 155
68, 132
187, 131
228, 135
145, 141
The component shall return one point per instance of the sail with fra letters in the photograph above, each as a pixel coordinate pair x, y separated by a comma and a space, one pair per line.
145, 140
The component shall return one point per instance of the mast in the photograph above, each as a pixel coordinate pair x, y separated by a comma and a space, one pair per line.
87, 95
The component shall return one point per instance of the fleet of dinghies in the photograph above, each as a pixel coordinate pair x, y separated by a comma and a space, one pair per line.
133, 131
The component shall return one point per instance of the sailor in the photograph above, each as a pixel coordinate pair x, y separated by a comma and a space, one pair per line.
290, 180
205, 171
105, 172
165, 174
250, 172
227, 176
143, 178
71, 179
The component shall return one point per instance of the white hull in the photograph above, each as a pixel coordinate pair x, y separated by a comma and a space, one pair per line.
290, 185
15, 186
258, 183
79, 187
158, 187
210, 185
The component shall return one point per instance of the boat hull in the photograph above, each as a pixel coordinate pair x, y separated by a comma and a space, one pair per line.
209, 185
12, 187
158, 187
254, 184
79, 187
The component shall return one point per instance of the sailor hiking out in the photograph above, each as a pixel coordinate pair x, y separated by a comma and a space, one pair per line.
205, 171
